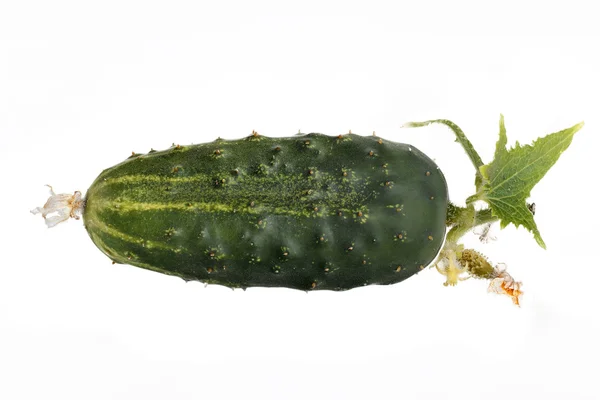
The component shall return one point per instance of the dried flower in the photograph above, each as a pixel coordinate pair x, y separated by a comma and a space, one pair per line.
504, 283
60, 207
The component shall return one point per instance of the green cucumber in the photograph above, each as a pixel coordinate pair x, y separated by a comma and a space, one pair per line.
309, 212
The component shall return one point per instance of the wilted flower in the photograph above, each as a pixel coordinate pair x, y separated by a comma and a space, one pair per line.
60, 207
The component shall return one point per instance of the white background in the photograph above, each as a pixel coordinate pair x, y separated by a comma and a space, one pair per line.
82, 84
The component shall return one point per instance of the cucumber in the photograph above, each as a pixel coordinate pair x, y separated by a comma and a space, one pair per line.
309, 212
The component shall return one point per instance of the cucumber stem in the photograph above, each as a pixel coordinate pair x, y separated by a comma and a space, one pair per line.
461, 220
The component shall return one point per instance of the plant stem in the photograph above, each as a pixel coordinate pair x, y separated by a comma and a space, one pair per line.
462, 219
461, 138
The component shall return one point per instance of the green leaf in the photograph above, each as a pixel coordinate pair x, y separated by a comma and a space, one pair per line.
501, 143
509, 178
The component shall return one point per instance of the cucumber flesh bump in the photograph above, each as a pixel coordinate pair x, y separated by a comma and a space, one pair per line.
310, 212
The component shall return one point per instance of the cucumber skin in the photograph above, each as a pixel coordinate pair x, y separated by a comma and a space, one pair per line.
308, 212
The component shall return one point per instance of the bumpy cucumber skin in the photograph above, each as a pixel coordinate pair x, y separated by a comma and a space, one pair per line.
307, 212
